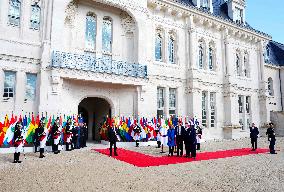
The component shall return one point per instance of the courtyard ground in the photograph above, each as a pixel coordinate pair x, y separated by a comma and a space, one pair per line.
86, 170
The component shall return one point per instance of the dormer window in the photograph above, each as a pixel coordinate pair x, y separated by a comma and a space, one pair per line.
205, 3
239, 15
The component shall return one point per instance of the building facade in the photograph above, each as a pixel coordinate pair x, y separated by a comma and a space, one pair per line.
100, 58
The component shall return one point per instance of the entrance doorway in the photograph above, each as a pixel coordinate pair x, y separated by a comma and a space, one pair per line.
94, 111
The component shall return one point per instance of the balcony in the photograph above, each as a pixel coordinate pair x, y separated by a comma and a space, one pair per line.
97, 65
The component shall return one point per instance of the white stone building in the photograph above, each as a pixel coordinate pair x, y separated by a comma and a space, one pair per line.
139, 58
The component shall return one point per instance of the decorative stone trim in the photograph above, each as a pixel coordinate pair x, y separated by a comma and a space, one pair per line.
19, 59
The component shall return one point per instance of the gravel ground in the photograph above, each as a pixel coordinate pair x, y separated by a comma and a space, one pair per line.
83, 170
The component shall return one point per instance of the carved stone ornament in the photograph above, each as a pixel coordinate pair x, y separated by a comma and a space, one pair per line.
127, 22
71, 11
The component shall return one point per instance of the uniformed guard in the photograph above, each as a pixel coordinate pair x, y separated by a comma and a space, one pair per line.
137, 131
56, 136
36, 140
84, 134
68, 135
272, 138
18, 141
198, 136
270, 131
179, 131
74, 136
112, 137
41, 138
157, 130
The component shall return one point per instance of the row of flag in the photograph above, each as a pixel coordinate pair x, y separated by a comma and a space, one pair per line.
29, 124
126, 125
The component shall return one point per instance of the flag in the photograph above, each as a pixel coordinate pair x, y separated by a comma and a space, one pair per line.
8, 140
31, 130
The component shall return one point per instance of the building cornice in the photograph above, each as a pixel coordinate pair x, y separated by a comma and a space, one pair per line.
209, 19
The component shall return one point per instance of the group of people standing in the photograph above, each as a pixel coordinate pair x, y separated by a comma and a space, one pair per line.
254, 132
74, 136
176, 137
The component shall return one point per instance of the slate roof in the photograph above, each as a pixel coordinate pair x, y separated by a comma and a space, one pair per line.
276, 53
220, 10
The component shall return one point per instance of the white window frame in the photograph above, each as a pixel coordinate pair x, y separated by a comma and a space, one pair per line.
9, 89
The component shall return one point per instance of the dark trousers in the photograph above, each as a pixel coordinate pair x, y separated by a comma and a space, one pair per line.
110, 148
171, 150
198, 146
36, 145
74, 142
254, 143
159, 144
190, 149
179, 141
271, 146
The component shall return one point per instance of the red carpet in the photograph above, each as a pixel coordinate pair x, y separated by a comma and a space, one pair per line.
142, 160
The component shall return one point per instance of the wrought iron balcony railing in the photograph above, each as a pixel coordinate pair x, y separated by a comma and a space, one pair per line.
88, 62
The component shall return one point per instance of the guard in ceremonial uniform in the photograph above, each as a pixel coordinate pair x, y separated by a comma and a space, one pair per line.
254, 135
271, 137
36, 140
18, 141
137, 131
112, 137
270, 131
198, 137
84, 134
190, 141
41, 137
179, 130
68, 135
74, 136
56, 136
157, 130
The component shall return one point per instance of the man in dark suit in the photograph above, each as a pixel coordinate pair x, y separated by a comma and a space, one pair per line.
254, 135
270, 131
179, 130
190, 141
112, 132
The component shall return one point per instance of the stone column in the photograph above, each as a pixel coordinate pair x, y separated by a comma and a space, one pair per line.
20, 93
167, 101
195, 107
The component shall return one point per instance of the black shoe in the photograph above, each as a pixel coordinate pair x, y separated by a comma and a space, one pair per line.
19, 161
115, 154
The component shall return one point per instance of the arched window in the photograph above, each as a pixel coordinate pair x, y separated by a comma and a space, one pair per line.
200, 56
270, 86
14, 12
90, 34
158, 46
35, 17
107, 35
238, 63
171, 49
210, 59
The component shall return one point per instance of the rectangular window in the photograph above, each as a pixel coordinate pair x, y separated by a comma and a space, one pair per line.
248, 104
31, 86
9, 84
35, 17
240, 101
204, 111
239, 15
14, 12
172, 100
212, 108
160, 101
